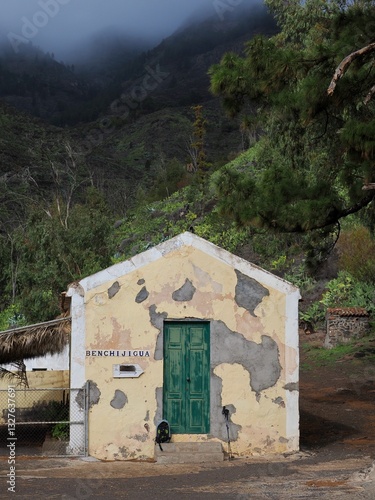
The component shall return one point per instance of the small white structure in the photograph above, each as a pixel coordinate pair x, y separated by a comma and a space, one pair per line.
208, 331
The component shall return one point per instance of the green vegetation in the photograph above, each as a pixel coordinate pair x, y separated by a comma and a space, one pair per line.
153, 223
11, 317
362, 350
356, 248
317, 148
59, 246
343, 291
319, 356
290, 199
61, 432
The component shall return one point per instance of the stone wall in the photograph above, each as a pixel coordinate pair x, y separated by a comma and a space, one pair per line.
344, 325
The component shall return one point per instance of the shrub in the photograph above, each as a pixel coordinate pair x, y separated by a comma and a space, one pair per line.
51, 411
346, 291
11, 317
343, 291
61, 432
356, 250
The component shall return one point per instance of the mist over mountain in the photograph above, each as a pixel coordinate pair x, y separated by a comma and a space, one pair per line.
111, 105
110, 61
106, 46
60, 26
128, 102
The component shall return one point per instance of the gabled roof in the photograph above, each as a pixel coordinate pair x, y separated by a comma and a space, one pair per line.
167, 247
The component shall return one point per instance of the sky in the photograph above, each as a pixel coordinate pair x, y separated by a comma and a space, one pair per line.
59, 26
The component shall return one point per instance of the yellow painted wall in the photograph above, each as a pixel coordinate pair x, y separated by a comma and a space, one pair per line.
120, 323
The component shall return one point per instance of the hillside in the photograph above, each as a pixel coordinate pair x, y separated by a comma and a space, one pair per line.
127, 118
129, 112
63, 93
186, 56
113, 140
26, 171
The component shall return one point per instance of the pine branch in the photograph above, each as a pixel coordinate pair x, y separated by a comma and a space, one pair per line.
333, 217
345, 63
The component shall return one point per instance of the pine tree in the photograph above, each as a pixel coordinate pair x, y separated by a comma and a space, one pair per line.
316, 153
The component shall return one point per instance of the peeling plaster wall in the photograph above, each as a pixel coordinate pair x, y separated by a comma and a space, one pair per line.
253, 355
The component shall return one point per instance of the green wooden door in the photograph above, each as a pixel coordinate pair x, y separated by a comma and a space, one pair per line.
186, 395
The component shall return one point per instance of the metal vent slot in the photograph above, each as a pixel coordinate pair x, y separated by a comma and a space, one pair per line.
127, 368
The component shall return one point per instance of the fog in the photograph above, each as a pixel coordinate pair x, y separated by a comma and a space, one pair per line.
63, 26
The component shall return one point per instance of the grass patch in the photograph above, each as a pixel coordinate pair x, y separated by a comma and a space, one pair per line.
305, 367
362, 349
320, 356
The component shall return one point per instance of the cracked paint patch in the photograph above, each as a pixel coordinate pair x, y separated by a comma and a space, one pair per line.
260, 360
249, 293
159, 405
185, 293
142, 295
269, 442
119, 400
80, 399
93, 396
279, 401
114, 289
126, 454
141, 437
157, 321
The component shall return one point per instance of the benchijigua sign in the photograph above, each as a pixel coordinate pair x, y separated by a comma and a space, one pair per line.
114, 353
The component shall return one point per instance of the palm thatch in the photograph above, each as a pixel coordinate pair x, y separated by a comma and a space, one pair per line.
34, 341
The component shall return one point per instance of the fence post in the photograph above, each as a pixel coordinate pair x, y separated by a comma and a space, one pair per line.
87, 407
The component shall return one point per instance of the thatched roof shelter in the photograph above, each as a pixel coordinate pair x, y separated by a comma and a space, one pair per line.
33, 341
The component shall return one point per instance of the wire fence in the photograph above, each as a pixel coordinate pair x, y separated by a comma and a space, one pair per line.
51, 422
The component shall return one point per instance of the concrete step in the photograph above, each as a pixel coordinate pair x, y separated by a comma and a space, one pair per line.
189, 452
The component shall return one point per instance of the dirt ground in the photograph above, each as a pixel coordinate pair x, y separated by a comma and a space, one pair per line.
337, 402
337, 422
